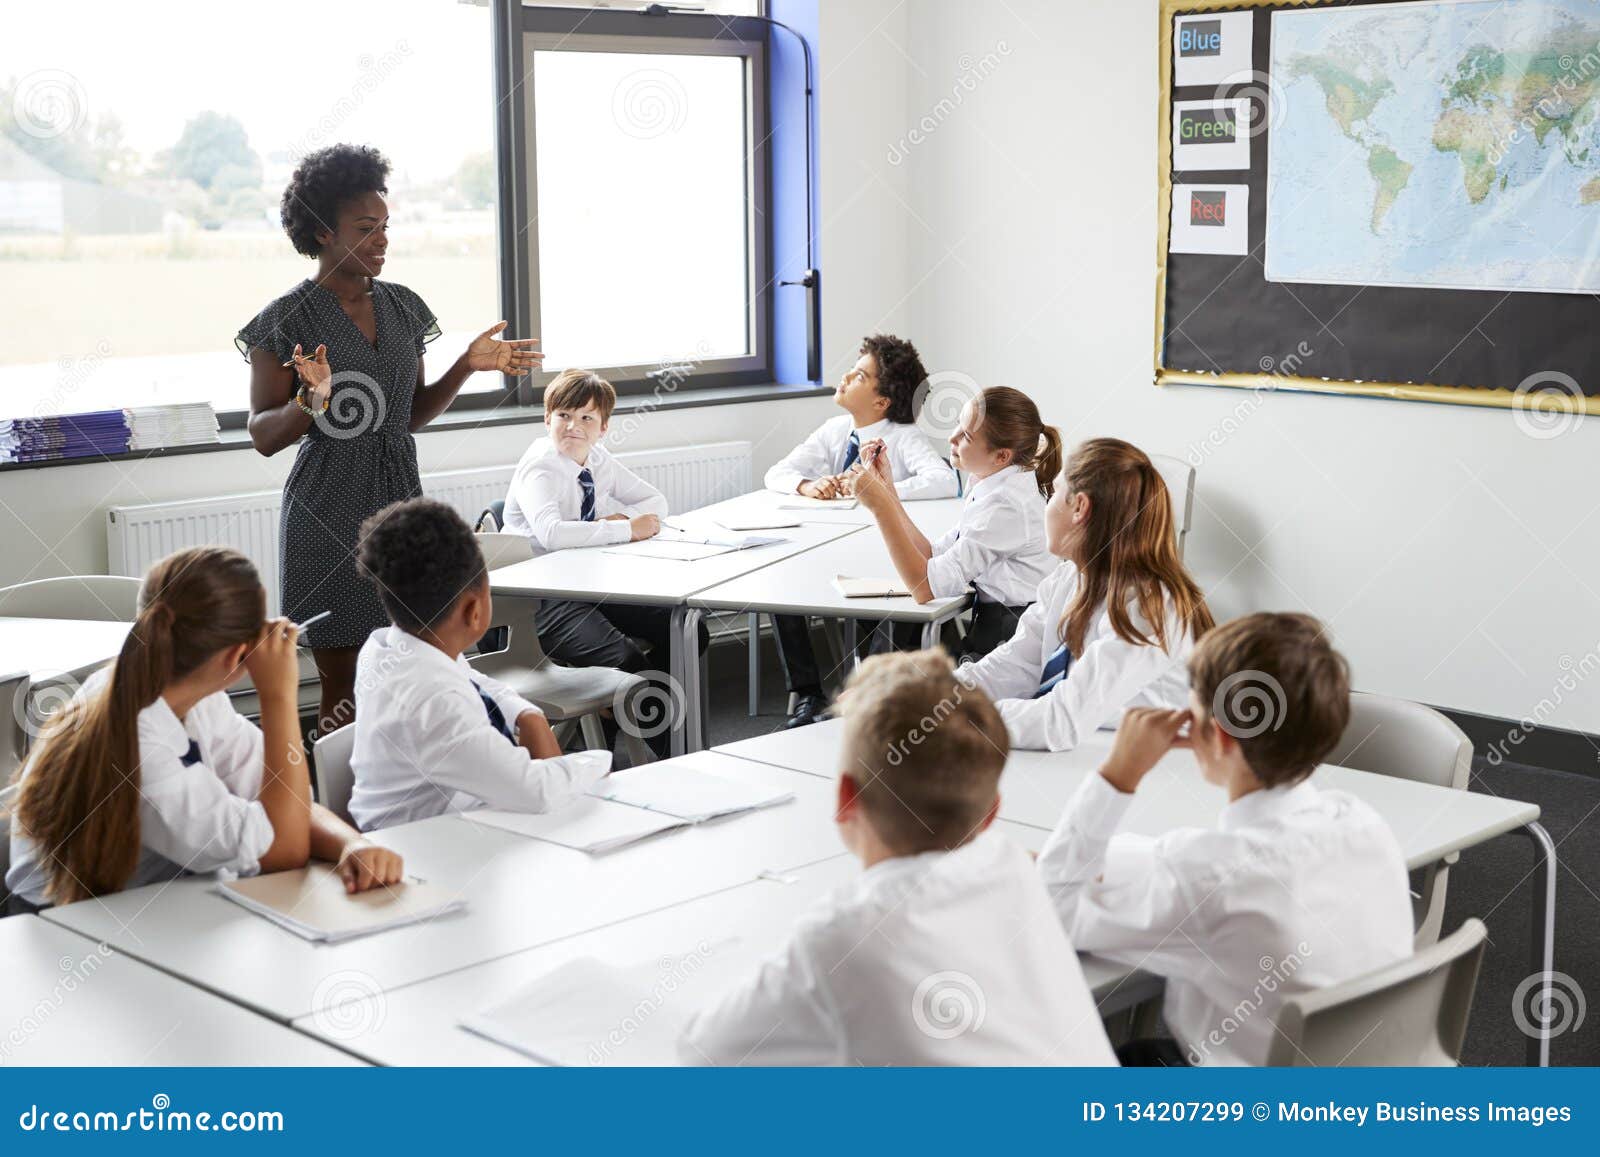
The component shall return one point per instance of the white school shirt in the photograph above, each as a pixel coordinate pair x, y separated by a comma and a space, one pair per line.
545, 503
943, 958
918, 470
200, 817
425, 744
1110, 675
999, 544
1296, 888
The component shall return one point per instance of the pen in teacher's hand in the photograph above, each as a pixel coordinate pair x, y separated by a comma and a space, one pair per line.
312, 620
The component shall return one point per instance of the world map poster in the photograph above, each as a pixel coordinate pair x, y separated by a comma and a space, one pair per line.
1439, 145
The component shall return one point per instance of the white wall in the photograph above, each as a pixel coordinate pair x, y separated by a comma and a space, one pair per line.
52, 521
1457, 559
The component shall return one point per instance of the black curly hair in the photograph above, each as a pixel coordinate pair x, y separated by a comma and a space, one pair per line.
423, 557
900, 372
322, 184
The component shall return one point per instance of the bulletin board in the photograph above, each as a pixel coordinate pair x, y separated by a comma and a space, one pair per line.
1390, 198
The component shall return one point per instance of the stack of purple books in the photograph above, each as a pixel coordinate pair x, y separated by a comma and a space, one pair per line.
64, 436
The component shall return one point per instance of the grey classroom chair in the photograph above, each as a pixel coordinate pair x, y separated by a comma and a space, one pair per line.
1412, 1012
14, 692
564, 694
335, 778
1179, 477
1396, 737
103, 598
8, 800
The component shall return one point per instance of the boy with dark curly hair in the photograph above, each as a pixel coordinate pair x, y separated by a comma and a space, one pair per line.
432, 734
879, 396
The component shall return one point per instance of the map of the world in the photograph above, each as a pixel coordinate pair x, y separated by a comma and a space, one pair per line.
1439, 144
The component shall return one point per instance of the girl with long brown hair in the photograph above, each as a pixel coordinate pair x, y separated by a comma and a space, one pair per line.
1115, 623
1010, 458
149, 772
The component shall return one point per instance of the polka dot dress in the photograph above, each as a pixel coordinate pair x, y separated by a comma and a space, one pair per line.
355, 459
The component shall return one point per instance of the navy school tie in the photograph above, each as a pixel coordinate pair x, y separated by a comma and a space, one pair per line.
192, 756
851, 451
496, 716
1055, 670
586, 480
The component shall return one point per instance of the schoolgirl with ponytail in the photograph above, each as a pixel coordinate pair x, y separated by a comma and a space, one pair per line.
149, 772
1010, 458
1117, 620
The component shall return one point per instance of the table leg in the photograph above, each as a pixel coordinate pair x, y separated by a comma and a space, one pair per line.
930, 634
691, 675
754, 678
1543, 918
675, 678
849, 657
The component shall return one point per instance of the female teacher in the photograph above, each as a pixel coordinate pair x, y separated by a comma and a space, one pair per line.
352, 403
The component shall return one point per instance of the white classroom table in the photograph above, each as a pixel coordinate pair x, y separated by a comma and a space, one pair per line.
803, 585
603, 574
59, 648
726, 935
519, 893
68, 1000
1429, 822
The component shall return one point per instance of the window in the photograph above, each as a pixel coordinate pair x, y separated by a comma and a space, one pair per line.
139, 196
641, 250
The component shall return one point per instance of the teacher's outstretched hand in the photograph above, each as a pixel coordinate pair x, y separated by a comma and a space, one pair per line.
516, 356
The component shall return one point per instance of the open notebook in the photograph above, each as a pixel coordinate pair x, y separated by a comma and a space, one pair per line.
687, 546
689, 795
311, 902
869, 588
590, 825
802, 502
592, 1012
634, 805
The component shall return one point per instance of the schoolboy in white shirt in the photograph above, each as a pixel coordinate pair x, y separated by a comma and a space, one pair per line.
946, 916
878, 395
1296, 888
433, 735
568, 492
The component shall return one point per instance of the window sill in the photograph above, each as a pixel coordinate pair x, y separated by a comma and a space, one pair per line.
507, 415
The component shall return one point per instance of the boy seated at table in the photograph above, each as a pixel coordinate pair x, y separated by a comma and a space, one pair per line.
878, 395
432, 734
569, 491
945, 950
1297, 887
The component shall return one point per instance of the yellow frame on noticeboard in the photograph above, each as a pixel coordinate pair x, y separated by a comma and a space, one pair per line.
1402, 391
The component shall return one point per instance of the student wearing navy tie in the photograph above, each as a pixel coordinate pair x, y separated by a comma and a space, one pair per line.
150, 773
1115, 623
1011, 458
570, 492
878, 395
433, 735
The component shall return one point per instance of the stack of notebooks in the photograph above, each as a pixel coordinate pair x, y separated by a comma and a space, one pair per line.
183, 424
46, 439
633, 805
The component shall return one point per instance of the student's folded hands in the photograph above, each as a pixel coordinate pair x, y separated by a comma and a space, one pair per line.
1143, 737
366, 866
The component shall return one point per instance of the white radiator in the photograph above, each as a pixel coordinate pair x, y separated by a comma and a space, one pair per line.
136, 536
